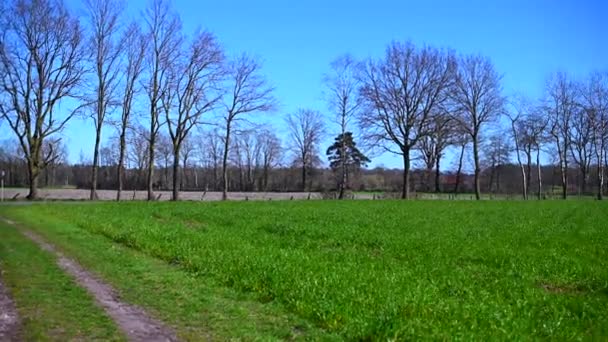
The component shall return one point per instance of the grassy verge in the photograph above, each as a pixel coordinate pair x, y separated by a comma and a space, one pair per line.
377, 269
51, 306
197, 307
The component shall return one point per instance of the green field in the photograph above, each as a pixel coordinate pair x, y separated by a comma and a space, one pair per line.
348, 270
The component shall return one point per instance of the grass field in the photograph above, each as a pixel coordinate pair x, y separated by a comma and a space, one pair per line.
348, 270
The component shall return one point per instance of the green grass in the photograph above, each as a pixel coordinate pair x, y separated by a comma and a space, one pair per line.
197, 307
50, 305
376, 269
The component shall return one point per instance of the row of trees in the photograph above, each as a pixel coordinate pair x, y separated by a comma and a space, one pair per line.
155, 85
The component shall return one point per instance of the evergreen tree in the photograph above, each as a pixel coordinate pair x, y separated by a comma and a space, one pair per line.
345, 157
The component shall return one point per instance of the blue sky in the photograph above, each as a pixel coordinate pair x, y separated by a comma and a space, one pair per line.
298, 39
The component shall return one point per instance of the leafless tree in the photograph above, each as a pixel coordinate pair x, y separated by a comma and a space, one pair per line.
106, 47
477, 95
560, 105
209, 147
401, 91
581, 143
344, 101
248, 92
306, 129
163, 153
164, 37
595, 104
462, 140
432, 146
196, 74
270, 150
41, 65
522, 132
134, 47
186, 153
137, 142
497, 151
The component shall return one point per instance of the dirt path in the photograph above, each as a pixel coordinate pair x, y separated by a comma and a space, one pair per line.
9, 321
132, 320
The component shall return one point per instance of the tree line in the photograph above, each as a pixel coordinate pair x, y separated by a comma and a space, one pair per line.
158, 89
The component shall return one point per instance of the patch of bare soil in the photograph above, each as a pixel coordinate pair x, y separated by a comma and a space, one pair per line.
132, 320
564, 289
9, 320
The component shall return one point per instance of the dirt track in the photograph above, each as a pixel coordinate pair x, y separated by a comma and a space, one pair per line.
9, 320
136, 324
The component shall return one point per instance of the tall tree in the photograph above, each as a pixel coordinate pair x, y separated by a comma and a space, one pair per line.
342, 87
561, 101
270, 149
41, 66
401, 91
106, 48
345, 158
306, 129
248, 92
581, 143
477, 95
595, 104
135, 46
164, 38
432, 146
197, 73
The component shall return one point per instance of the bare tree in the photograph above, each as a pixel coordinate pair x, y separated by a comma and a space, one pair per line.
197, 75
432, 146
134, 53
344, 102
164, 37
306, 129
560, 105
461, 139
522, 132
477, 95
270, 149
41, 65
248, 92
401, 91
105, 46
581, 143
496, 151
595, 103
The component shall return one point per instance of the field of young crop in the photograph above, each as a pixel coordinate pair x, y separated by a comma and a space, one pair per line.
367, 269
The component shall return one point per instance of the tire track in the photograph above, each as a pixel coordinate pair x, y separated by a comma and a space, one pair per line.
136, 324
9, 320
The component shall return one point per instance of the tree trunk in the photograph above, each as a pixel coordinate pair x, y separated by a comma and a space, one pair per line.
457, 185
33, 177
405, 194
225, 164
540, 176
564, 172
528, 170
437, 175
150, 176
121, 162
303, 177
342, 164
175, 194
524, 180
95, 168
477, 168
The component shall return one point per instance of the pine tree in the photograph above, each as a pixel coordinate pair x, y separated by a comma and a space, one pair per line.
345, 157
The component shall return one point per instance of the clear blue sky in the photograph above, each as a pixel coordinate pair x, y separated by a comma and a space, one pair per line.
298, 39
